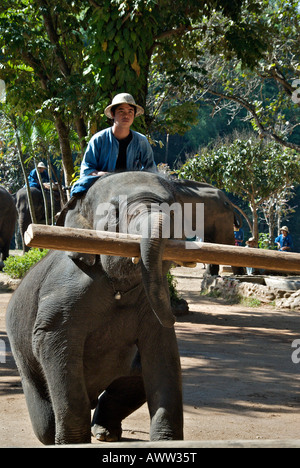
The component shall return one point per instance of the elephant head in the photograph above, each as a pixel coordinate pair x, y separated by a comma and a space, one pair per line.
129, 202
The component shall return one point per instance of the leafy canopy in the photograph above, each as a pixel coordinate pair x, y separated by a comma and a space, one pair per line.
66, 59
251, 169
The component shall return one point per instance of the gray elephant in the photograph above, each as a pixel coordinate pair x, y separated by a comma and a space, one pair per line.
83, 325
22, 204
219, 214
8, 217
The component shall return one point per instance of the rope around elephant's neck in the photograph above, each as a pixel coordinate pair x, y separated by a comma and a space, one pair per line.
118, 294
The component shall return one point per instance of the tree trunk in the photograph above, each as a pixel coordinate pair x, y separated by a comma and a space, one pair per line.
43, 193
167, 148
64, 143
21, 159
278, 224
51, 190
81, 132
59, 180
271, 226
253, 208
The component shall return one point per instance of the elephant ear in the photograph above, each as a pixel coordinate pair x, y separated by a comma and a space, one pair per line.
61, 217
72, 216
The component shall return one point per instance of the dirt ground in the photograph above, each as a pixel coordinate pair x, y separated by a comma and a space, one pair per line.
239, 381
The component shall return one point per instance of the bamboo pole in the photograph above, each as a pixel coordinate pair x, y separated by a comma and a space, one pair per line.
128, 245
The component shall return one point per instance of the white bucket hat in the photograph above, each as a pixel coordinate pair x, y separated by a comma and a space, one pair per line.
284, 228
123, 98
41, 164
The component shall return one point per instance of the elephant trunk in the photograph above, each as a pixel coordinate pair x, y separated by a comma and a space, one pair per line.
154, 279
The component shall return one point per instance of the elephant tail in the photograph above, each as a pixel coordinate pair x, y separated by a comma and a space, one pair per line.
237, 219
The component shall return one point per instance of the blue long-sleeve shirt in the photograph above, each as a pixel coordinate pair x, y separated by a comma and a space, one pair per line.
103, 149
285, 241
102, 154
33, 178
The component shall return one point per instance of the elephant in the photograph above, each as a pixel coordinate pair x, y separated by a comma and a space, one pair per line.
219, 214
8, 217
24, 217
96, 332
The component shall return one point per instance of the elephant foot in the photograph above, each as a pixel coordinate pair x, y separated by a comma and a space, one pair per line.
106, 435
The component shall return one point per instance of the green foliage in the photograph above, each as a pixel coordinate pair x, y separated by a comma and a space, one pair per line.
174, 295
64, 60
17, 266
250, 169
11, 176
261, 88
263, 241
71, 57
33, 63
250, 301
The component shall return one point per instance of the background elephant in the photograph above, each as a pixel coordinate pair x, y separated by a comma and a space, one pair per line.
8, 217
24, 217
219, 214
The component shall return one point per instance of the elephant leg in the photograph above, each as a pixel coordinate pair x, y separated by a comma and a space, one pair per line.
238, 270
162, 377
33, 384
37, 398
124, 396
212, 269
5, 252
66, 385
24, 222
40, 411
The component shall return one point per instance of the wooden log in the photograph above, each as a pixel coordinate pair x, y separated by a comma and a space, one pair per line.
128, 245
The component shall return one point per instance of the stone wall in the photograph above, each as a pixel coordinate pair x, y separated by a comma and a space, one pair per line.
231, 288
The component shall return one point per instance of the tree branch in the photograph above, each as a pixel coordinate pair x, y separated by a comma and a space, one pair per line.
278, 76
37, 67
94, 4
261, 129
54, 39
173, 32
243, 214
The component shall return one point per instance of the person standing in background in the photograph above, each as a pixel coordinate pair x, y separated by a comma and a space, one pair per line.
284, 241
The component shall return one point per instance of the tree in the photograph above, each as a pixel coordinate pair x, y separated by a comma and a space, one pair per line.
276, 208
67, 59
268, 89
11, 176
41, 63
252, 169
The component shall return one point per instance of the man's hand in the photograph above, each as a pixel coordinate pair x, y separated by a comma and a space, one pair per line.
98, 173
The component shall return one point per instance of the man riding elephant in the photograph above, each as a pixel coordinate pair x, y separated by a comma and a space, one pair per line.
33, 179
117, 148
